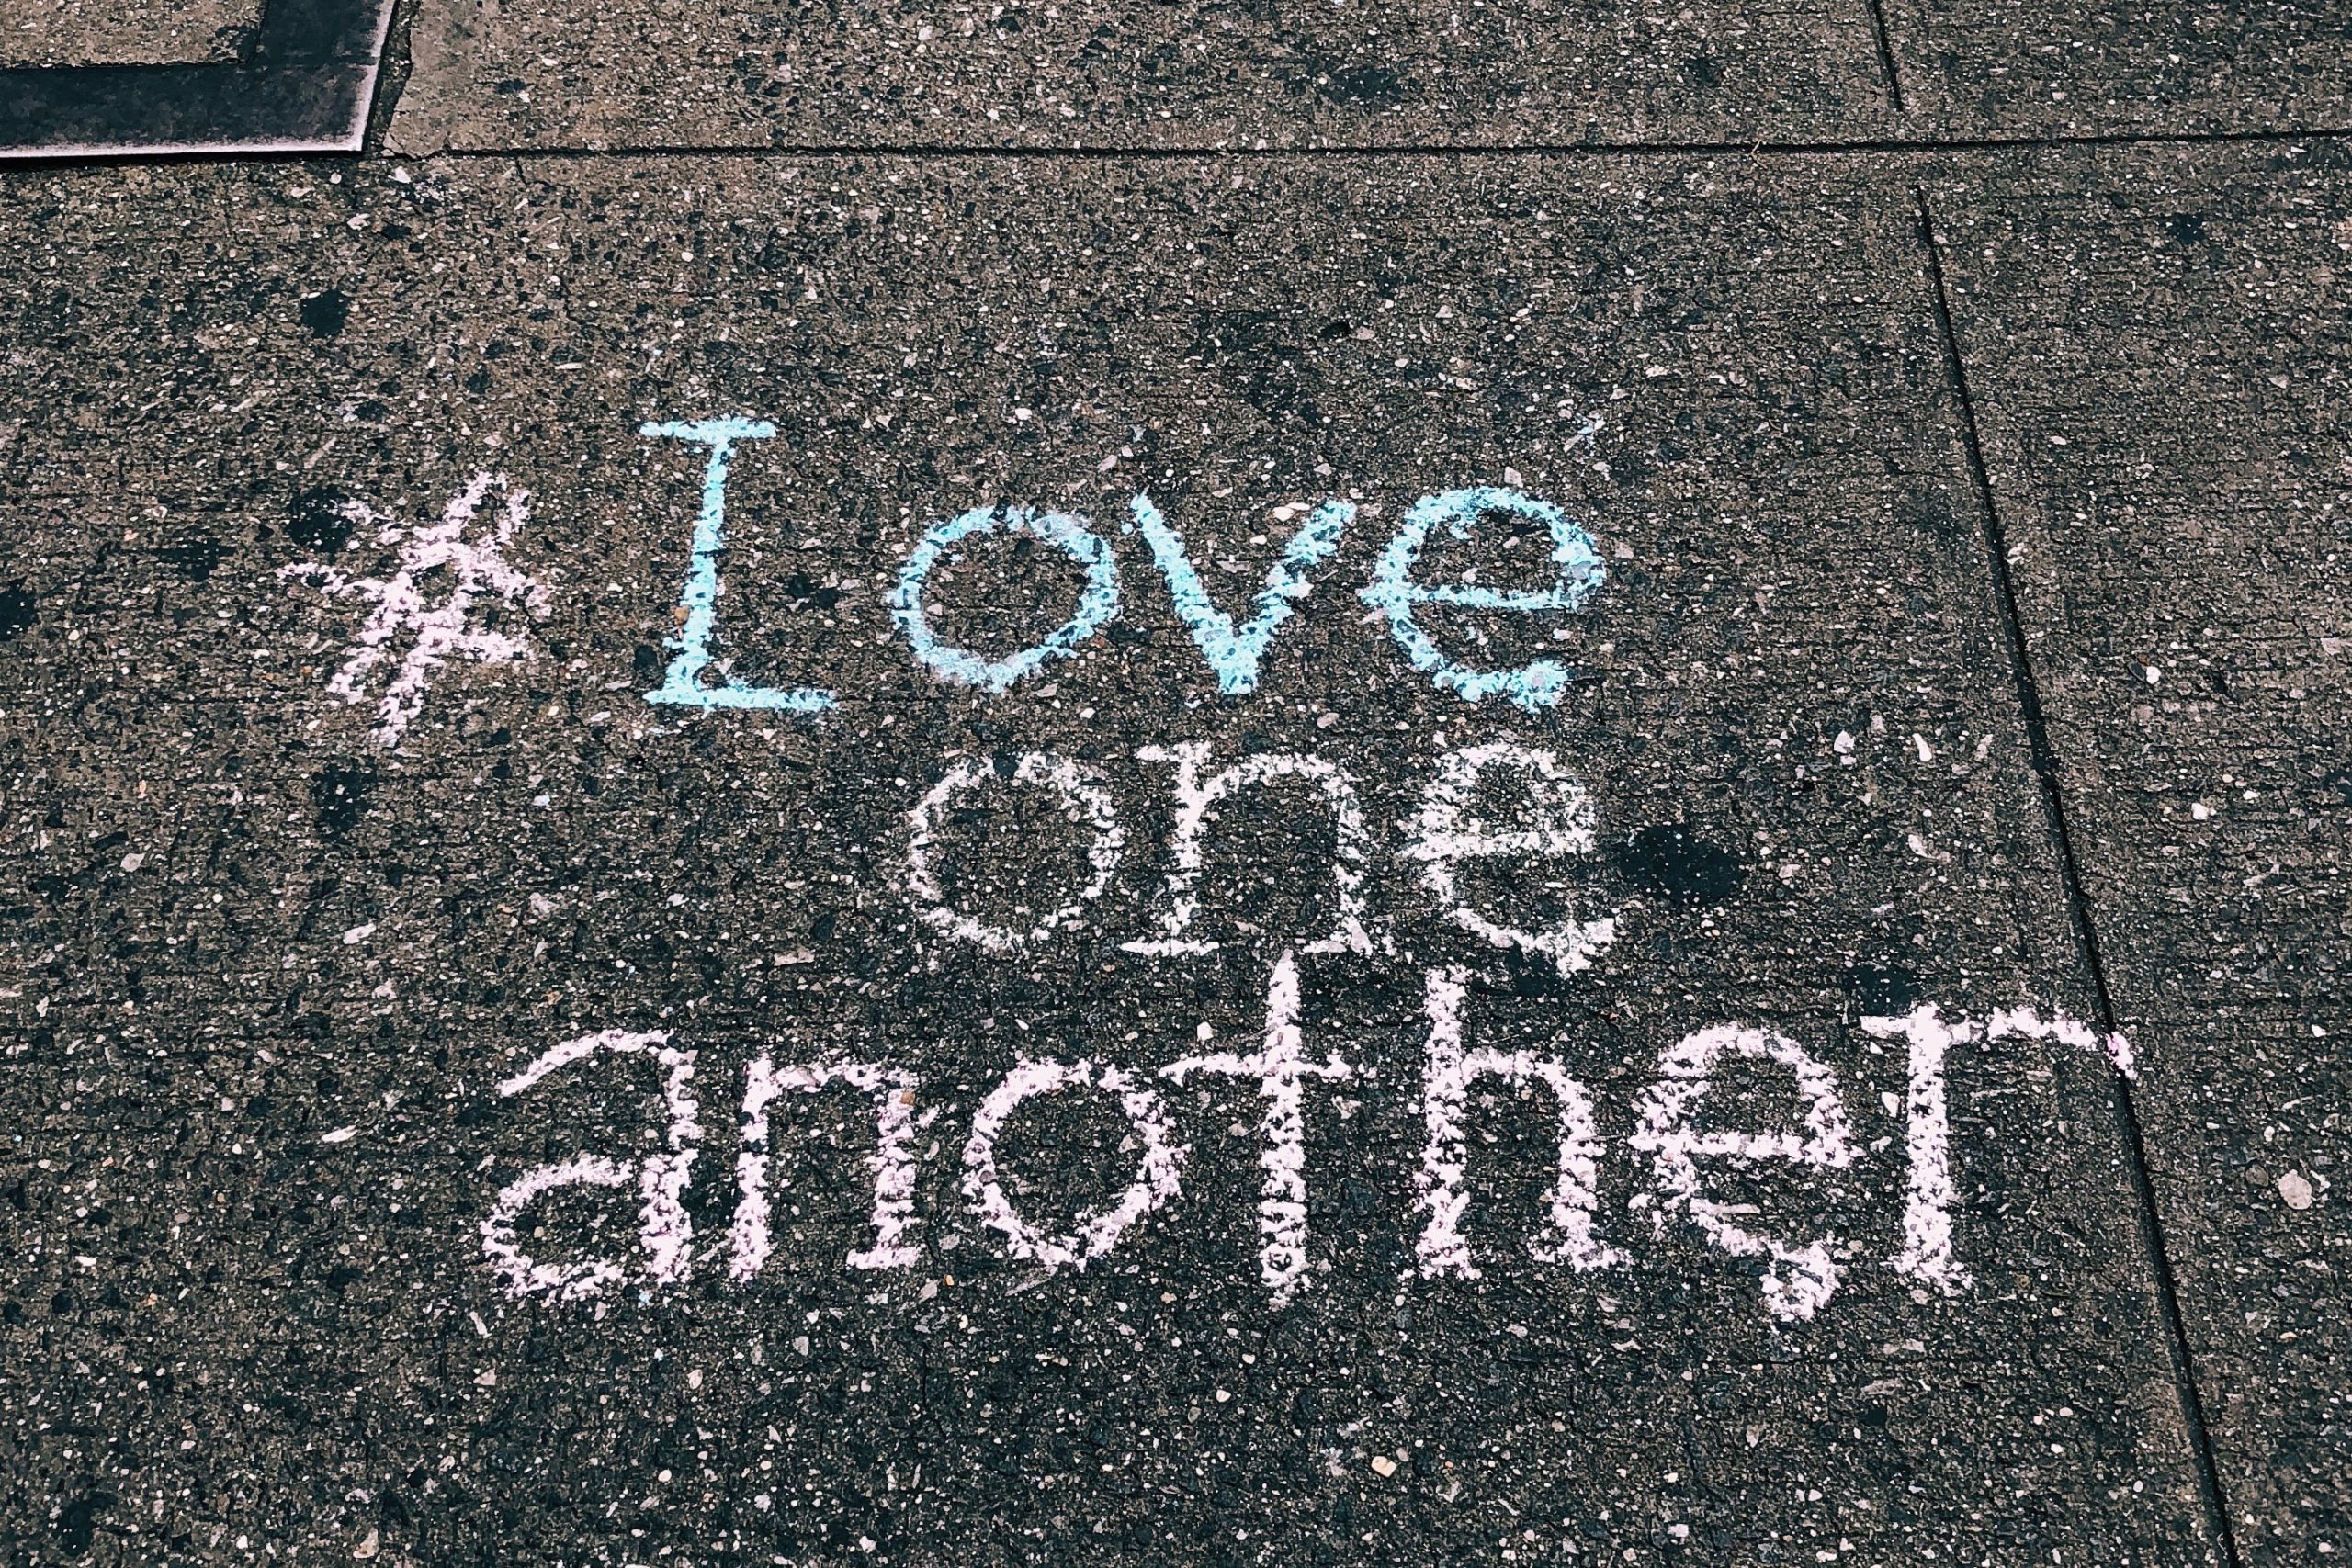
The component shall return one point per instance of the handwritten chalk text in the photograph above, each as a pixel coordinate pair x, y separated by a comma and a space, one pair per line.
1799, 1276
1234, 653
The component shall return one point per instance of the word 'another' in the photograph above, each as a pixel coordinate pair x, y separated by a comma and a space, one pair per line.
1798, 1276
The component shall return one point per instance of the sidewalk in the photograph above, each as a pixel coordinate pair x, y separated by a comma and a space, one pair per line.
1202, 784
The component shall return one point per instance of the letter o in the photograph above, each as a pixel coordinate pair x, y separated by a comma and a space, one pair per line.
1096, 607
1084, 802
1096, 1233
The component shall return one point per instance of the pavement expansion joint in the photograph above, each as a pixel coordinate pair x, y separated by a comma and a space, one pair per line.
2045, 767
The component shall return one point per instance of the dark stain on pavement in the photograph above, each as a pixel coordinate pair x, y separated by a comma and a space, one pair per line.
1669, 858
325, 312
340, 795
77, 1524
1883, 989
319, 521
195, 558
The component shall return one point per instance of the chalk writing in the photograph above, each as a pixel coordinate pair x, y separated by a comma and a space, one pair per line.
665, 1230
1798, 1280
1927, 1253
1440, 1199
1084, 802
1098, 1231
478, 569
1097, 606
1195, 798
683, 682
1558, 822
1553, 818
1534, 686
1280, 1068
1234, 654
1799, 1276
894, 1166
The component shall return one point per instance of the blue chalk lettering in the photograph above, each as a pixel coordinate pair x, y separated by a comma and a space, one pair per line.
683, 683
1536, 686
1234, 654
1096, 607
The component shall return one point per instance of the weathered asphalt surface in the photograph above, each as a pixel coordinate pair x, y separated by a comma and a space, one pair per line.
2026, 69
2162, 416
1971, 636
1399, 73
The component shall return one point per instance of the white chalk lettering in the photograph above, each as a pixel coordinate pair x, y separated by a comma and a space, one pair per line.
665, 1231
1084, 802
1096, 1233
1281, 1070
1799, 1276
1195, 799
2024, 1023
893, 1165
1558, 822
1446, 1086
1798, 1280
1927, 1253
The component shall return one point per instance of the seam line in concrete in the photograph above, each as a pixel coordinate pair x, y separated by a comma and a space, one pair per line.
1918, 147
1886, 56
2045, 767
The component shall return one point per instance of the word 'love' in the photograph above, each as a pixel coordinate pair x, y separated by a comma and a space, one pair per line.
1233, 651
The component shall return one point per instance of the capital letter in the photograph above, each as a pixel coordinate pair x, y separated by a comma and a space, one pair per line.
683, 683
664, 1230
1798, 1280
1281, 1069
1232, 654
1391, 591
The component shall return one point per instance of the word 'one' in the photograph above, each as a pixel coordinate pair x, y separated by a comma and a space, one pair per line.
1233, 651
1799, 1274
1552, 818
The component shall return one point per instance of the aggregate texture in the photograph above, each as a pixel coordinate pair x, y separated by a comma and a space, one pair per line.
110, 32
261, 975
1136, 75
2158, 343
2021, 70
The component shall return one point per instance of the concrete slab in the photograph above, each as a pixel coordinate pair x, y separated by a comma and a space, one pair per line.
2158, 345
1392, 73
355, 888
2028, 69
301, 81
110, 32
